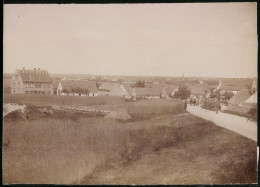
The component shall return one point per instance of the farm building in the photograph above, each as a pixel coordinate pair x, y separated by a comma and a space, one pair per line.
77, 88
234, 85
254, 84
149, 93
34, 81
199, 90
128, 91
110, 89
252, 99
240, 103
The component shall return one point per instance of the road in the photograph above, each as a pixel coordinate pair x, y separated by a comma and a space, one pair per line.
234, 123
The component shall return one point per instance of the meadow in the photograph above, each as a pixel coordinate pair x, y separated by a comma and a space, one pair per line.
75, 148
148, 108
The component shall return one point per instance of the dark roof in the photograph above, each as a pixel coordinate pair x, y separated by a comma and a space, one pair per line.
148, 91
236, 84
89, 85
35, 75
240, 98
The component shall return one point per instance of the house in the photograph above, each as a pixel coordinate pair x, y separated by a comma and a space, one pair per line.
199, 90
254, 84
77, 88
240, 103
251, 100
149, 93
31, 81
110, 89
128, 91
234, 85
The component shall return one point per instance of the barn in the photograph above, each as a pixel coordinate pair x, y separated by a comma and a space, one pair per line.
148, 93
31, 81
235, 85
110, 89
77, 88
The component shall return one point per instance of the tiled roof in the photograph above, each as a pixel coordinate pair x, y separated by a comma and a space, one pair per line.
236, 84
240, 98
148, 91
108, 86
89, 85
35, 75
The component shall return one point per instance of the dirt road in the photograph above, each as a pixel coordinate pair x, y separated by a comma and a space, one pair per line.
234, 123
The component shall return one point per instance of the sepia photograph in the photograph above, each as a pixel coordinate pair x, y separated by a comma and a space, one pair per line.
130, 94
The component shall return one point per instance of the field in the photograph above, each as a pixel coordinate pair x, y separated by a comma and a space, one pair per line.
77, 148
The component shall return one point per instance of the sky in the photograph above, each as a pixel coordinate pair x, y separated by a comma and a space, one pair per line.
190, 39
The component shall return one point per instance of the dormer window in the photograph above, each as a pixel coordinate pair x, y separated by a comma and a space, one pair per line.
16, 76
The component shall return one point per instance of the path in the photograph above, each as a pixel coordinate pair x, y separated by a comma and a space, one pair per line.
234, 123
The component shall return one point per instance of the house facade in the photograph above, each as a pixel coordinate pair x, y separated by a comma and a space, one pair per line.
32, 81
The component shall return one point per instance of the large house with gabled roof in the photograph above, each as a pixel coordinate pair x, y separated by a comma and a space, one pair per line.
32, 81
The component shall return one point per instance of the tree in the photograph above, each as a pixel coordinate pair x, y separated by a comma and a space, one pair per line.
183, 92
140, 84
216, 95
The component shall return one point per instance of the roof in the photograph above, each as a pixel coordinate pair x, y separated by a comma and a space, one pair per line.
56, 84
252, 99
128, 88
235, 84
240, 98
35, 75
254, 84
108, 86
148, 91
167, 87
89, 85
199, 89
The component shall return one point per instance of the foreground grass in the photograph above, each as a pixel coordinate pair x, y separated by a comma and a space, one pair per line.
90, 150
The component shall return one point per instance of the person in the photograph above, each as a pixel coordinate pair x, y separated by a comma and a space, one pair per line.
185, 105
217, 107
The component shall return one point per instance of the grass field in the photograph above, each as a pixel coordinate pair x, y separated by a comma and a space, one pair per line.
148, 108
169, 149
61, 100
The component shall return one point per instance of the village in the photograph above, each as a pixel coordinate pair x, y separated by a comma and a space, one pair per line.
236, 96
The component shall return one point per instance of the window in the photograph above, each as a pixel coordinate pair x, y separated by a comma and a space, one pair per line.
27, 85
14, 84
16, 76
31, 85
18, 84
